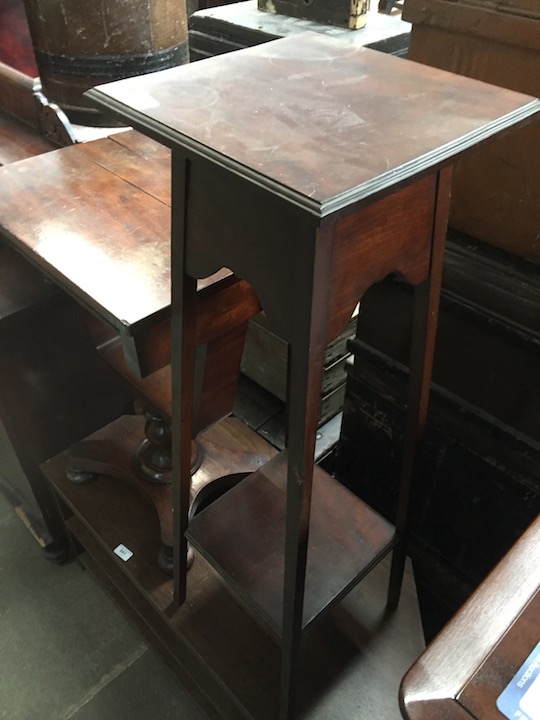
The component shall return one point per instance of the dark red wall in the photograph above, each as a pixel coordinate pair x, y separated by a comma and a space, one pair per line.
15, 44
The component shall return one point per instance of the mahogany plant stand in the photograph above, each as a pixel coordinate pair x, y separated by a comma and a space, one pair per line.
312, 171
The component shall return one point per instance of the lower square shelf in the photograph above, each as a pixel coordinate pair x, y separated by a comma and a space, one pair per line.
242, 535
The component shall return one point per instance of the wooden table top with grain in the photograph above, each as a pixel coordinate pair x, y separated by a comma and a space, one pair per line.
374, 120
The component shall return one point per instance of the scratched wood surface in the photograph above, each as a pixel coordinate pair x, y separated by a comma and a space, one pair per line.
95, 218
380, 125
62, 210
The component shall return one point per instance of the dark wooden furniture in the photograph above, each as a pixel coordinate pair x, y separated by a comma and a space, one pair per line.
28, 330
494, 198
242, 24
111, 511
29, 339
465, 669
82, 237
484, 421
343, 13
258, 197
197, 645
48, 366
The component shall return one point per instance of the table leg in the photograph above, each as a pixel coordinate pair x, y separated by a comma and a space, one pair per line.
183, 350
426, 311
305, 370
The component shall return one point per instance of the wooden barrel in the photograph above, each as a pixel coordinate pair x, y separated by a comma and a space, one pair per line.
79, 44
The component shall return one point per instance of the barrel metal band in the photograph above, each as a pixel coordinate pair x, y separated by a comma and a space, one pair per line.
111, 67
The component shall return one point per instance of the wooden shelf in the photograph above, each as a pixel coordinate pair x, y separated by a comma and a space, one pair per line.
242, 535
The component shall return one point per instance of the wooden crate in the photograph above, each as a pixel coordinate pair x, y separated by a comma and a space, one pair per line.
495, 190
351, 14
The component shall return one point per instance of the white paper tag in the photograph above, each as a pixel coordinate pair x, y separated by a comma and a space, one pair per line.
123, 552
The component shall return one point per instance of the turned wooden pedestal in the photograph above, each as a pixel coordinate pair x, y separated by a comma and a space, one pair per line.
312, 171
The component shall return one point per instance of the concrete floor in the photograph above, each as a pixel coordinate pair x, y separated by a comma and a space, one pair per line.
66, 652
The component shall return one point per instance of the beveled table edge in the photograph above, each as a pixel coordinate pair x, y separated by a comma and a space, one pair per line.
321, 209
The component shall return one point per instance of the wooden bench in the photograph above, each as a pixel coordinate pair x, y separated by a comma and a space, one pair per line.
95, 219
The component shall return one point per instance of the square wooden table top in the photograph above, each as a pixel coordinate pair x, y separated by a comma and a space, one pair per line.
315, 120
